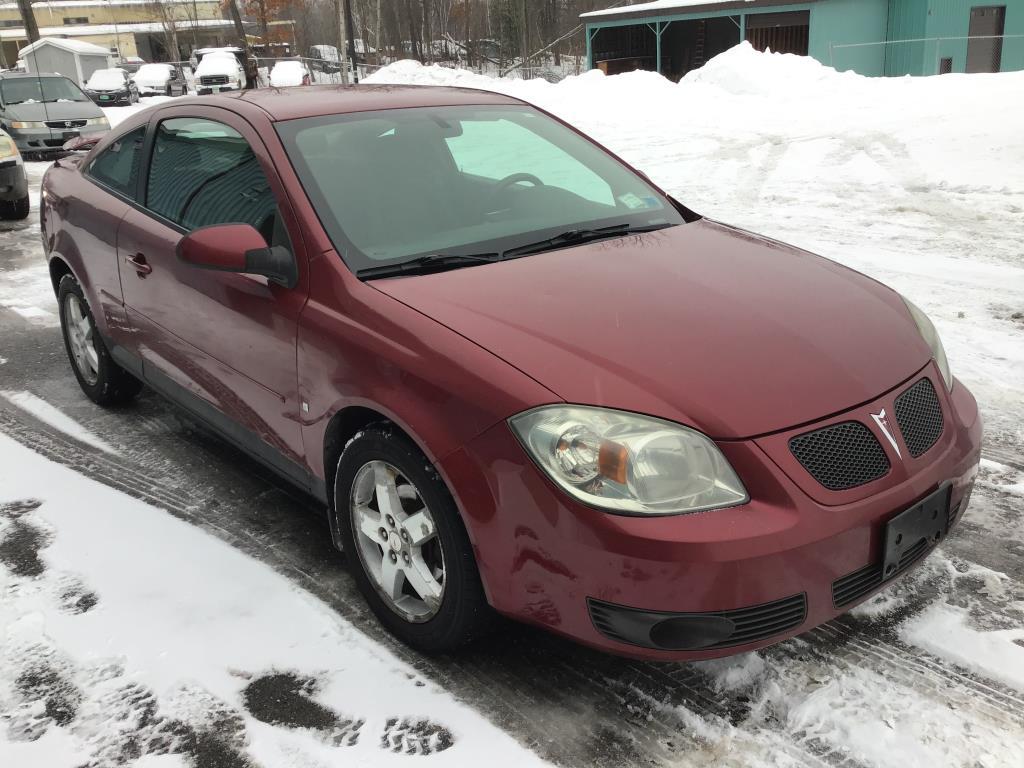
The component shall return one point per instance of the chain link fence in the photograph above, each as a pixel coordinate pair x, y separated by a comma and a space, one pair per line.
931, 55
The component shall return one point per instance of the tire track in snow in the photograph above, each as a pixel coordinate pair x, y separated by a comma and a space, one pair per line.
932, 673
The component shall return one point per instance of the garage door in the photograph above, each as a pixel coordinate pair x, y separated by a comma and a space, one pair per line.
781, 32
985, 47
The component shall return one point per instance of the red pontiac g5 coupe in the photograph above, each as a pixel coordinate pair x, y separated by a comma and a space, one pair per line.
519, 375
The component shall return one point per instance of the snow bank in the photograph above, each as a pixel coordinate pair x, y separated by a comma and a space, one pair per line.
744, 71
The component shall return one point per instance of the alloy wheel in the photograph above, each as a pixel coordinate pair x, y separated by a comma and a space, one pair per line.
397, 542
81, 339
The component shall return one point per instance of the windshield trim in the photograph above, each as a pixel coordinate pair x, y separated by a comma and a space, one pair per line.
356, 260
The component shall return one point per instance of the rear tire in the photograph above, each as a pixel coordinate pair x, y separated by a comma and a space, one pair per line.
460, 614
15, 210
102, 380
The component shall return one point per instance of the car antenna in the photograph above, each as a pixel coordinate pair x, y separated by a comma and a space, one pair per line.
39, 82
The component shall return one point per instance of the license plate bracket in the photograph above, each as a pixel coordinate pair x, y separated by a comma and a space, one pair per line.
927, 520
67, 135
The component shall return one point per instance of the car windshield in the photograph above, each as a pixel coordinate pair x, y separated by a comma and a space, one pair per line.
106, 78
396, 184
21, 90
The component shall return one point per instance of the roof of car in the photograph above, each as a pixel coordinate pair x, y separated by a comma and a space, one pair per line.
12, 75
316, 100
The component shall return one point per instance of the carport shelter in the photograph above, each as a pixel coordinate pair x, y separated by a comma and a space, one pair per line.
871, 37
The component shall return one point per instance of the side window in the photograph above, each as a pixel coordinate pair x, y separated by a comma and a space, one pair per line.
117, 166
203, 172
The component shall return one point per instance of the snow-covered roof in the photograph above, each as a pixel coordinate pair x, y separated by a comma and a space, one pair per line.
679, 6
18, 33
75, 46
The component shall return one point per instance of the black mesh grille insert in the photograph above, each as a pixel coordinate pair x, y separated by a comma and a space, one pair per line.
855, 585
919, 415
841, 456
748, 625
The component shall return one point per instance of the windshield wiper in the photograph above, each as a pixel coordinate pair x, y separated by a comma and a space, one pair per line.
578, 236
432, 262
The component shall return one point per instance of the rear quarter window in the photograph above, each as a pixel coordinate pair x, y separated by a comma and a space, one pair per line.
117, 166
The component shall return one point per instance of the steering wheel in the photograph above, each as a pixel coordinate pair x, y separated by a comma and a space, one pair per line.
515, 178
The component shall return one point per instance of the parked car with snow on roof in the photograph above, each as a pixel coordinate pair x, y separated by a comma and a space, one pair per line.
111, 87
161, 80
219, 70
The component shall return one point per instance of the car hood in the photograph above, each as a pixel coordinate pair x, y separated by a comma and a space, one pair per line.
53, 110
731, 333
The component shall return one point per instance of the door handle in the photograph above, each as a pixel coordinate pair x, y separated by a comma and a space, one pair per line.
138, 263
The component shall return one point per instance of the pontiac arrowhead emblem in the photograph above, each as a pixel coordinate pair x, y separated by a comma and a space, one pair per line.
883, 424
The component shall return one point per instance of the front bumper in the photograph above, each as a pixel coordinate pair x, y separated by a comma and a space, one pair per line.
13, 182
549, 560
207, 90
49, 140
111, 99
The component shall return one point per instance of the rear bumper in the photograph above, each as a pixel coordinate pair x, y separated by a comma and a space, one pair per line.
13, 182
548, 560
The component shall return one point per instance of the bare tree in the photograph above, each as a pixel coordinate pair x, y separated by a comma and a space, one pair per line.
29, 20
164, 12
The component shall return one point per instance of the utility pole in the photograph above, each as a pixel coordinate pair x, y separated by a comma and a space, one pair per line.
236, 17
376, 36
339, 16
29, 20
352, 40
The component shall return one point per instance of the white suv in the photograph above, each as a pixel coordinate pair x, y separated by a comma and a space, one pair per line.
219, 71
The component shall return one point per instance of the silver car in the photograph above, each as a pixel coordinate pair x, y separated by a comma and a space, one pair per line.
14, 202
41, 112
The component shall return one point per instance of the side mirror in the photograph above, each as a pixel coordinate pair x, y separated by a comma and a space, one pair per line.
238, 248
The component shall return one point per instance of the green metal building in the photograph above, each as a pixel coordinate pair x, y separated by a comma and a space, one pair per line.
872, 37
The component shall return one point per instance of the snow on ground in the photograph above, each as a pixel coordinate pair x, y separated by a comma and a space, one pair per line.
918, 182
57, 419
126, 633
945, 630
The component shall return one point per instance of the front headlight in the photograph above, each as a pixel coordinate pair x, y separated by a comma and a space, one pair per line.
98, 121
627, 463
931, 337
7, 147
27, 124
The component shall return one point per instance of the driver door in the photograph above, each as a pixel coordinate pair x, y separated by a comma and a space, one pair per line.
221, 343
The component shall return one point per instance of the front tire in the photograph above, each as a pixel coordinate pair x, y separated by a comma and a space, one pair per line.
101, 379
15, 210
406, 544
